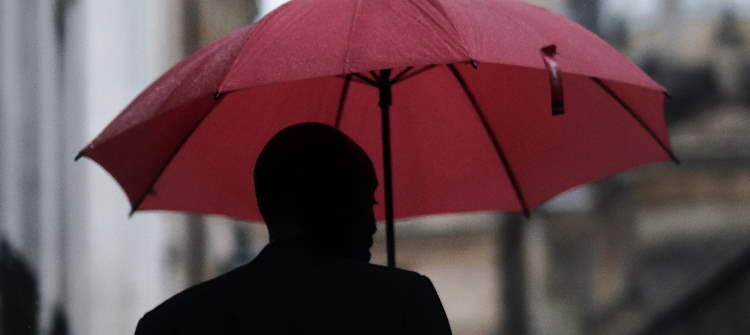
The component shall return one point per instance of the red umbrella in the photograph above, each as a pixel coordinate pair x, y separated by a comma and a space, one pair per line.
497, 105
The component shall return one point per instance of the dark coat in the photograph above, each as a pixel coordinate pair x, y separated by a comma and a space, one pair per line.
285, 290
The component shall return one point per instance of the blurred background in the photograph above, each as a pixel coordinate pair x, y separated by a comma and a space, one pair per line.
661, 249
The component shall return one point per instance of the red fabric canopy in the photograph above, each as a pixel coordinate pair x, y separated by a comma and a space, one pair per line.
467, 139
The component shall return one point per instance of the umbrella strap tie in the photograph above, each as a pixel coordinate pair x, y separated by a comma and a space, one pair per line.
555, 79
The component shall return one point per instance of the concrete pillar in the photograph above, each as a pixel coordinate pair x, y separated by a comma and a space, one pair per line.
513, 275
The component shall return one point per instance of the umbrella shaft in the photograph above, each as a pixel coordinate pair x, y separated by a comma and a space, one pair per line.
384, 87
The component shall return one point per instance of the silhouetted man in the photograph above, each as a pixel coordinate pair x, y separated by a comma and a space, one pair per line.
315, 190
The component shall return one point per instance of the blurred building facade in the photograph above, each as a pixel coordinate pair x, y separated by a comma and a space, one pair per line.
644, 252
661, 239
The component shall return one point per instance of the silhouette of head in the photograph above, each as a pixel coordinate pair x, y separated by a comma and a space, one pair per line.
313, 183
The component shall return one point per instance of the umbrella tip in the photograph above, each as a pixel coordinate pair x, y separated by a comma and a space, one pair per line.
217, 95
474, 64
79, 155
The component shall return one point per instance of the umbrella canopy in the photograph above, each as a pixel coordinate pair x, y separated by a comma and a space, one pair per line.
497, 105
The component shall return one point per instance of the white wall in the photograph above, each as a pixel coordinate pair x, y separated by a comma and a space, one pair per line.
29, 96
125, 45
69, 220
266, 6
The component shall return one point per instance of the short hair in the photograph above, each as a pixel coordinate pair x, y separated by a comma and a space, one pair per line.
305, 173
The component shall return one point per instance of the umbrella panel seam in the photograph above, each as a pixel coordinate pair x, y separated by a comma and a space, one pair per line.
347, 55
612, 94
150, 189
496, 143
342, 101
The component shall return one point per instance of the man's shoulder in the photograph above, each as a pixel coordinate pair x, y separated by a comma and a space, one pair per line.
199, 297
378, 279
201, 303
387, 273
208, 293
325, 288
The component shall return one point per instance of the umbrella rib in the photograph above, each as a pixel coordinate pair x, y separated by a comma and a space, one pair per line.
342, 100
635, 116
414, 73
365, 79
150, 189
353, 79
375, 76
493, 138
401, 74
